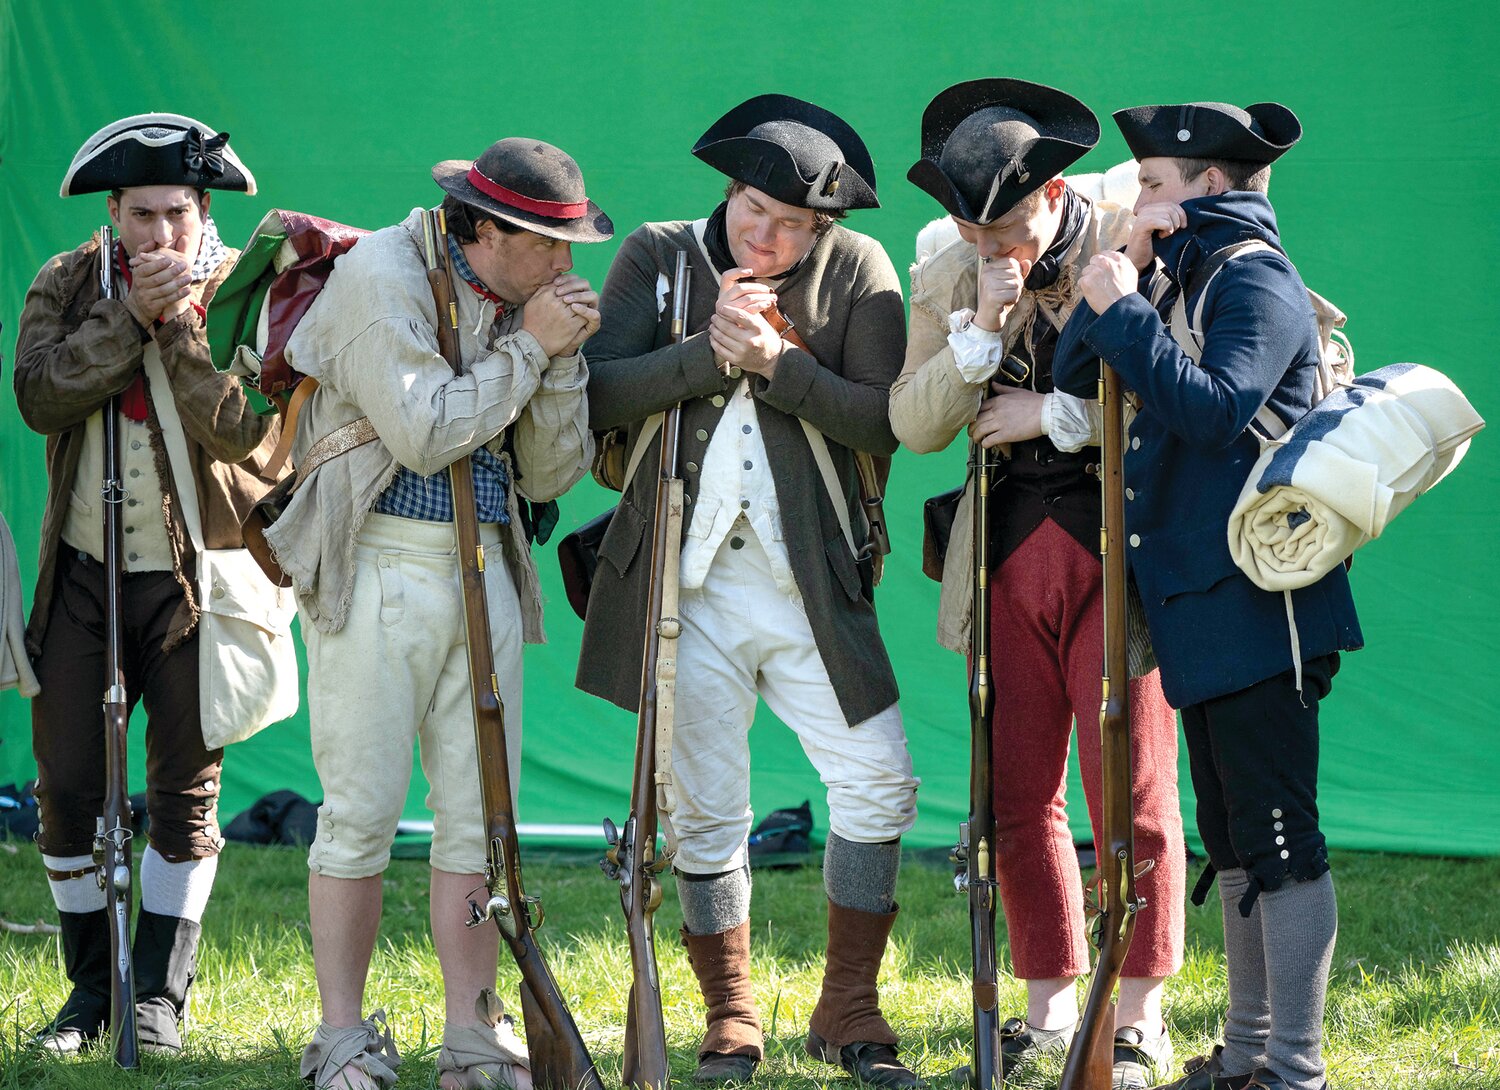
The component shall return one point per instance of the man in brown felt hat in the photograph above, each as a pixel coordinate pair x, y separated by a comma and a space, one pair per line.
986, 315
773, 602
75, 351
368, 540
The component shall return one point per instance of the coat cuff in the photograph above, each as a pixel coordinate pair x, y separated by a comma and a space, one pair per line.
789, 386
172, 330
1127, 322
699, 367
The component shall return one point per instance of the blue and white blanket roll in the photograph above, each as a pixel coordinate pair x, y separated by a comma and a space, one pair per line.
1345, 470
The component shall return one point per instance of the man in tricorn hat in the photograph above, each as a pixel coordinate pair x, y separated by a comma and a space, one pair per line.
986, 312
1246, 666
368, 540
773, 602
76, 351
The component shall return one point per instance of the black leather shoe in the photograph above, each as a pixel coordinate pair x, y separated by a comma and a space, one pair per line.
724, 1069
1021, 1043
871, 1063
1205, 1073
1263, 1078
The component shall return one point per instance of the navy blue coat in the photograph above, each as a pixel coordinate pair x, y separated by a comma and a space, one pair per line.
1214, 631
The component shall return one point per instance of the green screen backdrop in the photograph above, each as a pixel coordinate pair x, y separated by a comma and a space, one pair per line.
1387, 205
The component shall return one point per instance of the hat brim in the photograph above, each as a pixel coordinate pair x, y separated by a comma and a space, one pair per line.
593, 226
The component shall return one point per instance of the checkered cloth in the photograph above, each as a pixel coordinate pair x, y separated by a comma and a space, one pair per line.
430, 499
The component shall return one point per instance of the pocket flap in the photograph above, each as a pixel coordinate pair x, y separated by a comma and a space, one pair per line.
842, 563
623, 539
1185, 563
231, 584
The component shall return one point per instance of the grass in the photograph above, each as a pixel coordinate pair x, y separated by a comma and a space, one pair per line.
1414, 998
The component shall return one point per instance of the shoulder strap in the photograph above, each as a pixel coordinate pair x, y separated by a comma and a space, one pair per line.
183, 480
830, 477
1189, 334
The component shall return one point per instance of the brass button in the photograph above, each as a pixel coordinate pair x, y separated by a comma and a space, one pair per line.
701, 434
130, 529
717, 401
744, 505
1130, 493
749, 464
1135, 541
735, 372
1135, 444
132, 503
135, 472
692, 467
745, 428
135, 444
218, 592
134, 557
736, 543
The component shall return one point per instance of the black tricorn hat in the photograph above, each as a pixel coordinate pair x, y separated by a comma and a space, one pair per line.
156, 149
798, 153
528, 183
1210, 130
987, 143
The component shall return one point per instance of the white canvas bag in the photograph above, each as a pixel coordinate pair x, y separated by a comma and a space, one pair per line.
247, 664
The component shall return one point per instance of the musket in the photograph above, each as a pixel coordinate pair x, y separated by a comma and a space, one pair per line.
559, 1058
112, 831
631, 858
974, 856
1090, 1059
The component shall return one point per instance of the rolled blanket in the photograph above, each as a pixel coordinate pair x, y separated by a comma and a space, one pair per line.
1345, 470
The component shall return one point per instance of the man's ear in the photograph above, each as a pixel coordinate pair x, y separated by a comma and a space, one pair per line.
1053, 192
1217, 182
203, 204
112, 206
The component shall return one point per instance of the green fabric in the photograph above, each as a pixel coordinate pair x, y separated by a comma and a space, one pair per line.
234, 311
1387, 205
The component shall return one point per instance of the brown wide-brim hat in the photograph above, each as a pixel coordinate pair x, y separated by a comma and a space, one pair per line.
531, 184
988, 143
1261, 133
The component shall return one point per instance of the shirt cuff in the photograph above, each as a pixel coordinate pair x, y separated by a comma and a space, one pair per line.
1067, 422
976, 352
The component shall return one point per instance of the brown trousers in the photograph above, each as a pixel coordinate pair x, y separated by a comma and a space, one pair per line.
67, 723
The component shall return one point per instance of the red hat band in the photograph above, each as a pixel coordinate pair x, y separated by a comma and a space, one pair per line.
552, 209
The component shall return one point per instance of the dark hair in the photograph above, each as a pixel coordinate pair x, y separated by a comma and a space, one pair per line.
117, 193
822, 221
464, 220
1238, 173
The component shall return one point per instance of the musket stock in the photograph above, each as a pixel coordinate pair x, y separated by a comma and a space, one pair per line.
631, 858
112, 831
974, 856
1090, 1059
559, 1058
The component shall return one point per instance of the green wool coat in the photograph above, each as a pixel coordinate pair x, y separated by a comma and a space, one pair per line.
846, 303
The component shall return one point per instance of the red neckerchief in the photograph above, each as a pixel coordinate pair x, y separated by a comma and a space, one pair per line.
133, 399
485, 293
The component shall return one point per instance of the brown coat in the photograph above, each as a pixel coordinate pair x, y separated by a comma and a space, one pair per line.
76, 351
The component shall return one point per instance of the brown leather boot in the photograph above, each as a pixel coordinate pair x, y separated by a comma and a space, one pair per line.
847, 1027
733, 1044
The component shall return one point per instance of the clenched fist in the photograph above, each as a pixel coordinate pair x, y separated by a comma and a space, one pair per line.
1107, 279
561, 315
740, 335
1001, 281
161, 284
1152, 221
